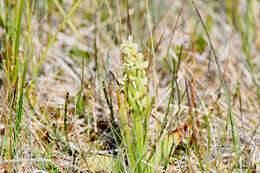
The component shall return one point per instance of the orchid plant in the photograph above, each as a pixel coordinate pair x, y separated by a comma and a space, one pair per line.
135, 106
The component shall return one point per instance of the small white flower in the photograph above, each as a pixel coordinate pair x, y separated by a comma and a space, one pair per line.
130, 38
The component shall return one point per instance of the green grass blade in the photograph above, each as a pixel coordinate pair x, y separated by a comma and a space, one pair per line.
18, 28
20, 102
73, 9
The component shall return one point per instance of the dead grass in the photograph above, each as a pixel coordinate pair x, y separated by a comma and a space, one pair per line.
85, 52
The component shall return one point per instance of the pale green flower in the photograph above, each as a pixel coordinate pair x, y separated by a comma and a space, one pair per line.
135, 106
134, 74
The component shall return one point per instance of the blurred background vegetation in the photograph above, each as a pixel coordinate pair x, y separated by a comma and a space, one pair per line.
61, 59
